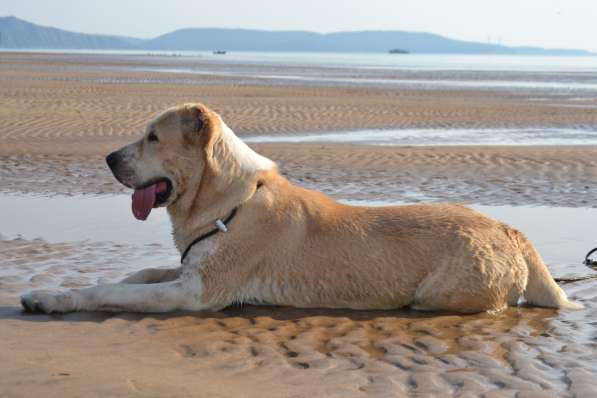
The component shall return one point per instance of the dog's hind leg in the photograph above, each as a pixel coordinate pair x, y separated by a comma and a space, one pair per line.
464, 288
153, 275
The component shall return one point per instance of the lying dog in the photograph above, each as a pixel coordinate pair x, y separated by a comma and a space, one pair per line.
247, 235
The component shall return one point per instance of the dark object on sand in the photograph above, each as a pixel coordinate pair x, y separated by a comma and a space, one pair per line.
590, 262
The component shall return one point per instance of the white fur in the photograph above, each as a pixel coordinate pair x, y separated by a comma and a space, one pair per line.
183, 293
248, 160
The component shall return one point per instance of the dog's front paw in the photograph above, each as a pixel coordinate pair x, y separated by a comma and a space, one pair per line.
48, 302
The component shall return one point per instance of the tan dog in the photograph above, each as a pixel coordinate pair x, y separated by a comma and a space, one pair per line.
287, 245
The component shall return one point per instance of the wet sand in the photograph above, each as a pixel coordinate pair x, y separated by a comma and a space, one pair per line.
273, 352
537, 175
61, 115
54, 104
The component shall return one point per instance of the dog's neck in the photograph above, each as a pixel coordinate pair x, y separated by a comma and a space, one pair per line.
230, 178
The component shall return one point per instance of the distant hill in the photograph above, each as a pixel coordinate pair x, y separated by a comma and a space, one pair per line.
18, 34
206, 39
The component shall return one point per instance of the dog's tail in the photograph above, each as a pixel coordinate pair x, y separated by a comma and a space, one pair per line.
541, 289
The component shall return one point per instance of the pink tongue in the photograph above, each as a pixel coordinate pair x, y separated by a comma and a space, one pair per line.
144, 199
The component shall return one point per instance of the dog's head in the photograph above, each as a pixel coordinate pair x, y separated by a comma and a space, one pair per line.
171, 159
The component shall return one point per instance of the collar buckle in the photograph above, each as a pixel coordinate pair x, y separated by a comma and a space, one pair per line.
221, 226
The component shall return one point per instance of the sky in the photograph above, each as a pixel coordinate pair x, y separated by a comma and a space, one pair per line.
545, 23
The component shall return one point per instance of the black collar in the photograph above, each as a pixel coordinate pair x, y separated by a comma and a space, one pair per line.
220, 227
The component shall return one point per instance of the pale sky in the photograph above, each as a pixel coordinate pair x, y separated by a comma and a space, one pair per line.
547, 23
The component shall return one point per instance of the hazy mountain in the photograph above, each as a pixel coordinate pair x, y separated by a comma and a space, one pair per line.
235, 40
206, 39
16, 33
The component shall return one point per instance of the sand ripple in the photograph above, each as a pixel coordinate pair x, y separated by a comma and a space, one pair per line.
61, 114
338, 353
58, 104
554, 176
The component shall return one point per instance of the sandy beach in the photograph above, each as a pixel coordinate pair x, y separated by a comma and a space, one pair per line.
61, 114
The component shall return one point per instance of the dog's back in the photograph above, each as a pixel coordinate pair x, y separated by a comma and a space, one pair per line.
321, 253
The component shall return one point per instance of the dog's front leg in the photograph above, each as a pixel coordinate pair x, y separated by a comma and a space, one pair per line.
153, 275
180, 294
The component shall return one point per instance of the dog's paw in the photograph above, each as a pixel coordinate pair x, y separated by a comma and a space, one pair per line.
47, 302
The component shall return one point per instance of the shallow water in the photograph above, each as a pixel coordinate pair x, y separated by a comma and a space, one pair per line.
433, 62
426, 137
556, 75
306, 77
80, 218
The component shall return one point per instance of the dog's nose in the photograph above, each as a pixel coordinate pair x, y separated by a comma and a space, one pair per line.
112, 160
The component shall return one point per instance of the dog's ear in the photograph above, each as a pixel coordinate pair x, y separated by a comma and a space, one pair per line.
197, 128
193, 119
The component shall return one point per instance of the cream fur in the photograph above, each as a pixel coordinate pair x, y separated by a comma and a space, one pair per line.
292, 246
248, 160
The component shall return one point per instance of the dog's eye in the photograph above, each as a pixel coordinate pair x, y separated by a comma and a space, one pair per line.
152, 137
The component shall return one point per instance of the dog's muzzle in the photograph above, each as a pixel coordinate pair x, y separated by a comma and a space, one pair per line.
112, 160
119, 169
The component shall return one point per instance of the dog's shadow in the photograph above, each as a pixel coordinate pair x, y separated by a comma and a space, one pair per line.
249, 312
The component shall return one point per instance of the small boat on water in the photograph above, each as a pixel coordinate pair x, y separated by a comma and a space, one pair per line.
219, 52
398, 51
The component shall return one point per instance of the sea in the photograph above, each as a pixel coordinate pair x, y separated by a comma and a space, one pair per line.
568, 73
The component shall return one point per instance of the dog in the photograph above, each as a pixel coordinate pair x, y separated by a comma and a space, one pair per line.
247, 235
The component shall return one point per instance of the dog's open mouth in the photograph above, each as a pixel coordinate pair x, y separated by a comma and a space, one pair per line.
149, 195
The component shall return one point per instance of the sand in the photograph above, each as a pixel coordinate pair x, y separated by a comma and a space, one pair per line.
69, 105
548, 175
275, 352
61, 114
